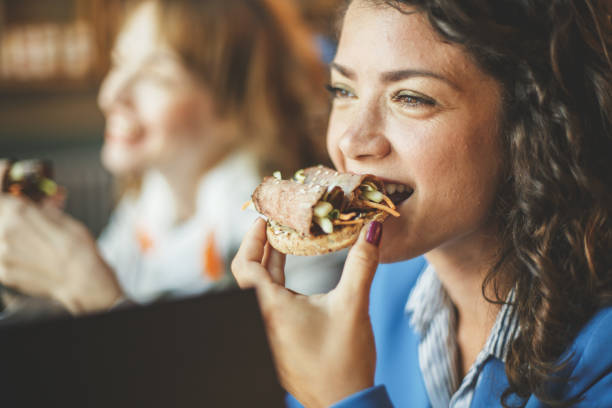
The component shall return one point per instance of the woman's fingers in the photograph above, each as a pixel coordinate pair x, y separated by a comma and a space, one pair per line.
24, 224
314, 339
252, 248
45, 252
360, 265
246, 266
275, 264
20, 274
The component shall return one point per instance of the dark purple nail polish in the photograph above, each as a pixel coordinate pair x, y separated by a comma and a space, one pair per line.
374, 233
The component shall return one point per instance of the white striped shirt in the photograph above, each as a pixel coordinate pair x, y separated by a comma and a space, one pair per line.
433, 317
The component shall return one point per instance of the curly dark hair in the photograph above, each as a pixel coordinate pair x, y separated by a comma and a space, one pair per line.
553, 60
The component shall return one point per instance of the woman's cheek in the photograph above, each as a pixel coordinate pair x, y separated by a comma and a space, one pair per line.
189, 117
153, 102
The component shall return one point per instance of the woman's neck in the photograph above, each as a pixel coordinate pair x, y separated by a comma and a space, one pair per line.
184, 177
462, 268
182, 181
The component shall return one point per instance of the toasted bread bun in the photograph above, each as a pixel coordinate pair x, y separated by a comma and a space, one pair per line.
291, 242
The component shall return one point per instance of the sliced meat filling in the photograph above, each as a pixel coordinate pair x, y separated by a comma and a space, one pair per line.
287, 202
320, 199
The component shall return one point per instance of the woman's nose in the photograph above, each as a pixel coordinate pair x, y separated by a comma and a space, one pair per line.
365, 138
114, 89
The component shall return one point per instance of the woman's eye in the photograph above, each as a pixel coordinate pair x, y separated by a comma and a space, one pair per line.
339, 92
158, 78
411, 100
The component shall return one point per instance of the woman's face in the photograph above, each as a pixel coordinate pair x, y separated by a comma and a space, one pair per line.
157, 113
416, 111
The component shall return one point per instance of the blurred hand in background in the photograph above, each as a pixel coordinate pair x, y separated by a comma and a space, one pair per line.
46, 253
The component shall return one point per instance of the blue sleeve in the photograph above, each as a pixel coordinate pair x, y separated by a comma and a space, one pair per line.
591, 379
291, 402
375, 397
598, 395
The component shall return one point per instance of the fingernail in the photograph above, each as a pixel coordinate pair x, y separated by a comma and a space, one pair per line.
374, 233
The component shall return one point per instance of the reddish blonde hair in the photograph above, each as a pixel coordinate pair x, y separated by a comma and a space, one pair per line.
259, 60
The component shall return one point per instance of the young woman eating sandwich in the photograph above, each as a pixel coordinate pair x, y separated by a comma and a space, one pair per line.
497, 278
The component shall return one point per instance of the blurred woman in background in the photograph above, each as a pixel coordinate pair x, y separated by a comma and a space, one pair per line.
203, 98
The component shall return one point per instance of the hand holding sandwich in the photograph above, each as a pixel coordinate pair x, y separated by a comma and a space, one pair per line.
323, 345
44, 252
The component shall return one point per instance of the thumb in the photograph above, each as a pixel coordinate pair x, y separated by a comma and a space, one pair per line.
361, 264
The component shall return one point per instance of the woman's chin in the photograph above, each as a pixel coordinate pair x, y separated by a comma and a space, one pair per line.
389, 249
390, 255
120, 162
396, 245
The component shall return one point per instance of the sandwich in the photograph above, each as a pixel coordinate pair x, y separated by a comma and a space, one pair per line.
320, 210
30, 178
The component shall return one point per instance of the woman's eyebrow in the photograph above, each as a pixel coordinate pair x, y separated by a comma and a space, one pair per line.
399, 75
161, 56
395, 76
347, 72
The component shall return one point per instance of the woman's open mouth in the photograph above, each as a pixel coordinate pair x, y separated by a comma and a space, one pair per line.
398, 192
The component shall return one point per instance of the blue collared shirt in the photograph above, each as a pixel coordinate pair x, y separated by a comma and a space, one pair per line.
433, 316
400, 381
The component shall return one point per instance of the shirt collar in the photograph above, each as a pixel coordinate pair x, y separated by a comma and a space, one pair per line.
505, 329
429, 298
